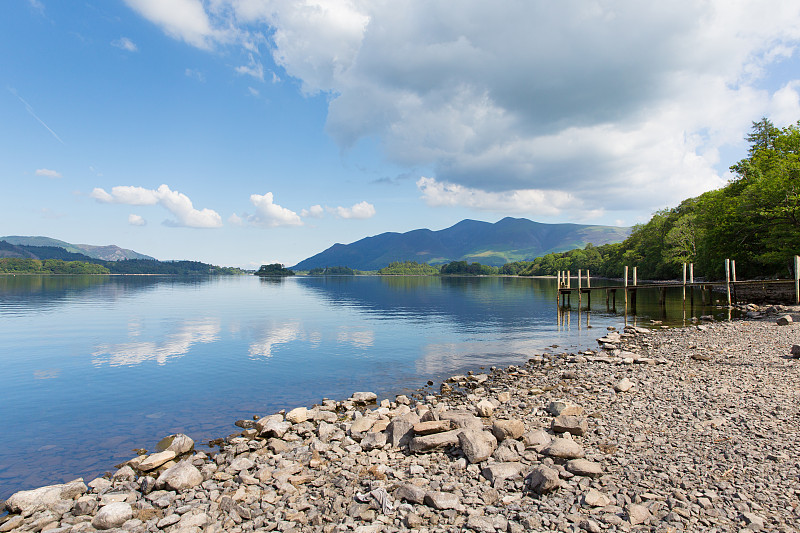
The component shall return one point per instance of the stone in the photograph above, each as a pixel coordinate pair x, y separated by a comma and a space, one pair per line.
485, 408
477, 445
297, 415
583, 467
85, 505
753, 521
462, 419
564, 449
125, 473
563, 407
637, 514
273, 426
537, 439
364, 397
410, 493
157, 459
12, 523
595, 498
623, 385
27, 502
183, 475
402, 399
501, 471
372, 441
362, 425
400, 430
441, 500
178, 443
241, 463
435, 441
432, 426
795, 352
508, 429
575, 425
482, 524
785, 320
508, 451
543, 479
112, 515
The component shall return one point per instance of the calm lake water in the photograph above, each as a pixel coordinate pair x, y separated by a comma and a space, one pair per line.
95, 366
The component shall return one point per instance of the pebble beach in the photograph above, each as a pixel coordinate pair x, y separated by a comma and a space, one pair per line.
675, 429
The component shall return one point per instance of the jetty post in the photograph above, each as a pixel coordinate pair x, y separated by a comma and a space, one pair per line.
691, 284
569, 279
580, 297
728, 279
797, 278
684, 286
733, 279
635, 271
626, 290
588, 294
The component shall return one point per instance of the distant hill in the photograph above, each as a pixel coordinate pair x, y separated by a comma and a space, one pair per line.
106, 253
510, 239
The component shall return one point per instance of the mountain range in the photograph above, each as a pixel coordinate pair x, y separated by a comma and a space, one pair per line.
105, 253
506, 241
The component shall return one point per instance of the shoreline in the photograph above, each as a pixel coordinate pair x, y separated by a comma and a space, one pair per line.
697, 442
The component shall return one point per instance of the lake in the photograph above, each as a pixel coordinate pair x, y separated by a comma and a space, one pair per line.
95, 366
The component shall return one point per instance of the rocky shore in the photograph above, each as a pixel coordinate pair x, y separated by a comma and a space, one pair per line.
691, 429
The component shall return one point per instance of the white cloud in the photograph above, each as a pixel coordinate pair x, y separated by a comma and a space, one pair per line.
359, 210
195, 74
125, 44
599, 100
136, 220
181, 19
253, 68
315, 211
528, 201
270, 214
253, 91
47, 173
173, 201
236, 220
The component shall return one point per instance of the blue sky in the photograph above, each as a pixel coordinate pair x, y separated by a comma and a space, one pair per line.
242, 132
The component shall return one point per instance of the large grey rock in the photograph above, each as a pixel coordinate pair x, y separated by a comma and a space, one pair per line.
178, 443
435, 441
795, 351
785, 320
462, 419
180, 476
410, 493
155, 460
297, 415
508, 451
485, 408
373, 440
112, 515
363, 397
543, 479
273, 426
362, 425
241, 463
508, 429
400, 430
538, 439
583, 467
500, 471
638, 514
575, 425
595, 498
432, 426
27, 502
441, 500
564, 407
564, 449
477, 445
623, 385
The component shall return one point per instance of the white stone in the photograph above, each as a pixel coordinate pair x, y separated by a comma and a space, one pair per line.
27, 502
297, 415
112, 515
180, 476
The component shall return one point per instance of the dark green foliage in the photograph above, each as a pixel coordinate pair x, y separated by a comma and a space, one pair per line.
14, 265
462, 268
275, 269
408, 268
171, 268
332, 271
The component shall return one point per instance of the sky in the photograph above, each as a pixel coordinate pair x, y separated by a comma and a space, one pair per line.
246, 132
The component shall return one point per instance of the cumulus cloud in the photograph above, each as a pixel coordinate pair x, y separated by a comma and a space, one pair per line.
315, 211
599, 100
48, 173
253, 68
136, 220
173, 201
124, 43
270, 214
360, 210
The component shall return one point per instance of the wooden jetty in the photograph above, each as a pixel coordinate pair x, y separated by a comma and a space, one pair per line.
630, 291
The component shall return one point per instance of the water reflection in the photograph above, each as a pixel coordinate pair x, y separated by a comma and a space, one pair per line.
175, 345
281, 334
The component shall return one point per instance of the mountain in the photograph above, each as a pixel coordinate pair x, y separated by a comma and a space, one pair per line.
508, 240
106, 253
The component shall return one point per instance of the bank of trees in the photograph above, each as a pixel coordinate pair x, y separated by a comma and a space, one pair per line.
332, 271
275, 269
408, 268
14, 265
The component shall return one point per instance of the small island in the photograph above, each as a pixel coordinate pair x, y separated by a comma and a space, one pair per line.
275, 269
